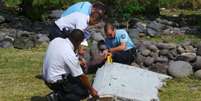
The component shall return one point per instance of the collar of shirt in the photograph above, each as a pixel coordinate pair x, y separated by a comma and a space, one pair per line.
71, 44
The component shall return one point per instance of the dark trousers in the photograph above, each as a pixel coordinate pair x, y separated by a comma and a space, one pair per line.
124, 57
56, 32
69, 89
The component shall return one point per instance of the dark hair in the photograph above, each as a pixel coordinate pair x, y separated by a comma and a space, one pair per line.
99, 7
96, 16
76, 35
108, 25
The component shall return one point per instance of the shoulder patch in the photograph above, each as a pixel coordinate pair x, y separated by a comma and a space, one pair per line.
123, 36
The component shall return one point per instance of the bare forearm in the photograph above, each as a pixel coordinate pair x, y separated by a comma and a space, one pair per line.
85, 81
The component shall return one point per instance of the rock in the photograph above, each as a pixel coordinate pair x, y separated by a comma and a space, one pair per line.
2, 19
152, 48
161, 59
42, 38
133, 33
140, 59
180, 69
180, 49
199, 49
198, 74
134, 64
152, 32
197, 63
189, 48
166, 45
160, 68
6, 43
155, 26
172, 54
141, 27
25, 40
146, 52
189, 57
56, 13
149, 61
164, 52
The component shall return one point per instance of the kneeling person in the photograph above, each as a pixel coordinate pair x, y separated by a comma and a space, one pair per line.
119, 44
62, 72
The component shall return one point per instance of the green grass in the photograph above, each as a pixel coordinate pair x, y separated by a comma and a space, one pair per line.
19, 70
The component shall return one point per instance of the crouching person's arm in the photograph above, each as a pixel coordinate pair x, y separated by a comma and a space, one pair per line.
85, 81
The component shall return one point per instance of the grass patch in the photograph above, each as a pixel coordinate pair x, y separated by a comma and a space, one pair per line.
19, 70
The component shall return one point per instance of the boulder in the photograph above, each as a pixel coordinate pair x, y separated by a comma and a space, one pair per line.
164, 52
146, 52
7, 43
180, 49
42, 38
198, 74
166, 45
199, 49
189, 57
180, 69
152, 32
56, 13
152, 48
148, 61
197, 63
25, 40
161, 59
2, 19
160, 68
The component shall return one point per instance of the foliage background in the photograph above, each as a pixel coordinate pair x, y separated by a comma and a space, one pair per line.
124, 9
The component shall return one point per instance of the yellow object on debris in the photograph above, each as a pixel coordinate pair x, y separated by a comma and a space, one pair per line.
109, 58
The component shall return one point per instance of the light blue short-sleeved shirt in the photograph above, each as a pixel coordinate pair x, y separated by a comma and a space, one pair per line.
120, 36
83, 7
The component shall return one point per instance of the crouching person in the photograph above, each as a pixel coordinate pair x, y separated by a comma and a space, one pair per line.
62, 72
119, 44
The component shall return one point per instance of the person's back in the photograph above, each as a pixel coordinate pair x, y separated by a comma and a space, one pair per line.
83, 7
59, 51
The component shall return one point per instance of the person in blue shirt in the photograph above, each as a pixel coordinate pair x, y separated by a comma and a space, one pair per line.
119, 44
85, 8
78, 16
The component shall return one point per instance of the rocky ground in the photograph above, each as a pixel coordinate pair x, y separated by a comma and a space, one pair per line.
176, 59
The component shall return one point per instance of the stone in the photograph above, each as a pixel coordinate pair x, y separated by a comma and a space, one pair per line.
152, 32
25, 40
56, 13
180, 69
189, 48
198, 74
180, 49
2, 19
189, 57
140, 59
146, 52
152, 48
198, 49
197, 63
164, 52
172, 54
161, 59
155, 26
160, 68
133, 33
166, 45
141, 27
148, 61
6, 43
42, 38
